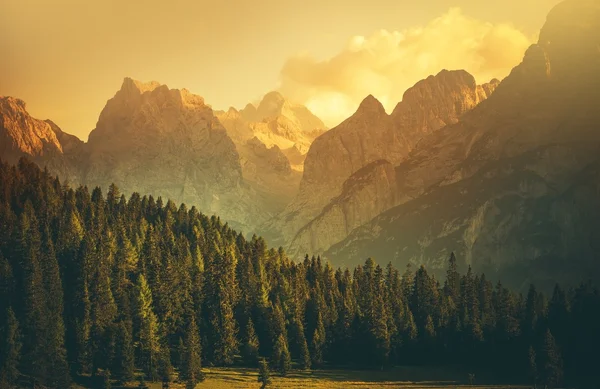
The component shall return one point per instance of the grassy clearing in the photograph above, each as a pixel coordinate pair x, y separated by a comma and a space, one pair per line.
241, 378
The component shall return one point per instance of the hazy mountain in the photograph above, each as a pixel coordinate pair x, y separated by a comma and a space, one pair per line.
149, 139
167, 142
275, 122
367, 136
272, 140
514, 185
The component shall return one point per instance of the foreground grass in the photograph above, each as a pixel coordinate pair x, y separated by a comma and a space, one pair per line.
242, 378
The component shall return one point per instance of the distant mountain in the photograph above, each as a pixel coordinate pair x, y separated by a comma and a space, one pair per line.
167, 142
149, 139
513, 188
275, 122
367, 136
286, 130
40, 141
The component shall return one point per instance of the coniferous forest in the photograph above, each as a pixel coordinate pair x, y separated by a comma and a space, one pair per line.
100, 285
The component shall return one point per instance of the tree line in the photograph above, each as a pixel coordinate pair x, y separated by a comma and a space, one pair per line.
101, 285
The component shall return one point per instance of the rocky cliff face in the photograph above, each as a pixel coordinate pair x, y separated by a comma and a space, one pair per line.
370, 135
513, 186
167, 142
367, 193
275, 122
267, 135
23, 136
269, 172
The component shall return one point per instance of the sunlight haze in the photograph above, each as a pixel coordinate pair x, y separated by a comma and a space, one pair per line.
67, 58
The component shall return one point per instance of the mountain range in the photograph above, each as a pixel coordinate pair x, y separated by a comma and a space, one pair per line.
505, 174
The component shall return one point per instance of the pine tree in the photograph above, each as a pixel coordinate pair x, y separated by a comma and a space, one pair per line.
10, 349
54, 339
280, 358
303, 353
452, 287
533, 371
551, 362
34, 323
264, 376
318, 342
147, 334
221, 302
191, 368
378, 330
251, 345
123, 365
106, 379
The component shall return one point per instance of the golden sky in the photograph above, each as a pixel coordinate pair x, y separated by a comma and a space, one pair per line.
65, 58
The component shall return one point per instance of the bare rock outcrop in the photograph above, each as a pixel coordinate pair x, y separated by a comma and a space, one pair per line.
371, 135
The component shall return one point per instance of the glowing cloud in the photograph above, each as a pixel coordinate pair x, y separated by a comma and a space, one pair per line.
387, 63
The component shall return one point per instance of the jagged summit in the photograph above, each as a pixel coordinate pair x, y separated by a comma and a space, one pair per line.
129, 84
371, 105
272, 103
14, 101
134, 89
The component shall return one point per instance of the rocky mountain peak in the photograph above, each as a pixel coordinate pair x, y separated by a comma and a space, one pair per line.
13, 102
20, 134
134, 86
438, 101
370, 106
270, 106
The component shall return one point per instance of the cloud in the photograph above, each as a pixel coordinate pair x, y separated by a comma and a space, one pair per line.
389, 62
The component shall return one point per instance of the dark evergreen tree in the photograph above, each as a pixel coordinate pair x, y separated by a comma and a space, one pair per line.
147, 338
533, 371
318, 343
280, 358
551, 362
251, 345
123, 365
10, 349
191, 364
264, 376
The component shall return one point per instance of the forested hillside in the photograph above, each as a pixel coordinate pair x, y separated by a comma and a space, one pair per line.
94, 284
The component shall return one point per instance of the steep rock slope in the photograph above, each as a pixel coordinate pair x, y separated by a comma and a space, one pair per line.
284, 128
275, 122
269, 172
167, 142
370, 135
24, 136
367, 193
513, 187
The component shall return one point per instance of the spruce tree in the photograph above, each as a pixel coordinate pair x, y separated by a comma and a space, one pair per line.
147, 338
452, 287
34, 322
251, 345
533, 371
264, 376
302, 345
123, 365
280, 357
551, 362
318, 342
10, 349
191, 368
54, 338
